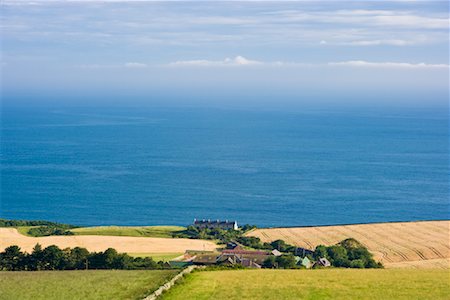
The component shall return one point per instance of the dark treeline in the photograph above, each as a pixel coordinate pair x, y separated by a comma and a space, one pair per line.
40, 228
53, 258
346, 254
222, 235
17, 223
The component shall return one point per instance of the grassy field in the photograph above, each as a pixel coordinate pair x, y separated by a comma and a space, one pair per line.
66, 285
24, 230
391, 243
139, 231
313, 284
157, 256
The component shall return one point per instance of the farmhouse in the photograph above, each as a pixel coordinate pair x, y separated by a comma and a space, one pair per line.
233, 259
247, 258
226, 225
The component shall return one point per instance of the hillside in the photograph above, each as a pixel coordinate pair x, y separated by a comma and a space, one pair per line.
396, 245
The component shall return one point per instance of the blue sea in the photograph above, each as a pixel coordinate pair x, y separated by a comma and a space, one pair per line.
269, 167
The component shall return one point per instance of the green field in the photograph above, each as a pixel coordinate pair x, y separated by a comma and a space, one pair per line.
144, 231
157, 256
24, 230
90, 284
314, 284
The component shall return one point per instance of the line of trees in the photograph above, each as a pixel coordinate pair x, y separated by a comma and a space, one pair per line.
40, 228
18, 223
53, 258
222, 235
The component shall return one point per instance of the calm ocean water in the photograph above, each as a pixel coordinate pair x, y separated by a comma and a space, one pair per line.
136, 166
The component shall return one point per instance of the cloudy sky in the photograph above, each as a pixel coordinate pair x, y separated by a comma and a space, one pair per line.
295, 50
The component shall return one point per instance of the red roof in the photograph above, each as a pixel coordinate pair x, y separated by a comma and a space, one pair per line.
240, 251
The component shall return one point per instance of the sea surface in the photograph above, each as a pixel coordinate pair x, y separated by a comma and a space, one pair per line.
157, 165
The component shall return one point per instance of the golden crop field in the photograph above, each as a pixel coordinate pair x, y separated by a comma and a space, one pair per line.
397, 245
128, 244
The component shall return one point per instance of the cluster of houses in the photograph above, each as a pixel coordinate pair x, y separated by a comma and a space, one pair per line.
235, 254
226, 225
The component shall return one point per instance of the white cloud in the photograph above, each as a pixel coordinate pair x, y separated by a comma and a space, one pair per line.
366, 18
114, 66
242, 61
362, 63
135, 65
393, 42
237, 61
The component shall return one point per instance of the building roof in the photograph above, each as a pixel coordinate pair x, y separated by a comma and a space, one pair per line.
226, 222
205, 258
276, 252
249, 263
324, 262
246, 252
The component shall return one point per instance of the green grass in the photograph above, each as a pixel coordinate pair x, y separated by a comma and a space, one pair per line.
314, 284
140, 231
157, 256
87, 285
24, 229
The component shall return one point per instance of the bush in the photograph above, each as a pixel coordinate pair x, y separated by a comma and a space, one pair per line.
357, 263
49, 230
347, 254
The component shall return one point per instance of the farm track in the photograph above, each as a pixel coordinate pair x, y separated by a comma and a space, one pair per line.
415, 244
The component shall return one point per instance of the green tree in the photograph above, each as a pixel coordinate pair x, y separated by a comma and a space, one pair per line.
286, 261
357, 263
270, 262
53, 258
12, 259
338, 256
79, 258
321, 251
280, 245
35, 261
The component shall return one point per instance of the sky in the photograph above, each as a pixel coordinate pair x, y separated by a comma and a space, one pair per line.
213, 51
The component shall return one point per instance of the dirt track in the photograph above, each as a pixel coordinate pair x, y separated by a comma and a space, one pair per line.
396, 245
10, 236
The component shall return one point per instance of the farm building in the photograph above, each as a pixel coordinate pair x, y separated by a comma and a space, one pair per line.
276, 253
322, 262
233, 259
205, 259
305, 262
226, 225
246, 257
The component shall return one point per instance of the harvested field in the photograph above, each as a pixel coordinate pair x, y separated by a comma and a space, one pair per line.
439, 263
396, 245
10, 236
